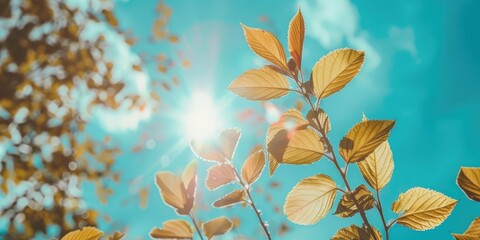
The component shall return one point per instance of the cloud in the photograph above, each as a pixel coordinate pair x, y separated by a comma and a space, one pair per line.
403, 39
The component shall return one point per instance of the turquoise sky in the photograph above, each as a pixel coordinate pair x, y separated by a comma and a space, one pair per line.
421, 69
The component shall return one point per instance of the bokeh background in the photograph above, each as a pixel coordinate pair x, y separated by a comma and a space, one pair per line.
421, 69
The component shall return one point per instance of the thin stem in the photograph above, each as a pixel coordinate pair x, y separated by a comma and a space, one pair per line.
196, 226
380, 211
252, 203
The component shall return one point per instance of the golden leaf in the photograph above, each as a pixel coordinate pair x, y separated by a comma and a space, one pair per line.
468, 180
85, 233
292, 119
310, 199
220, 175
117, 236
354, 232
422, 209
219, 149
347, 208
377, 168
296, 35
319, 120
335, 70
260, 85
364, 138
189, 179
472, 233
296, 147
266, 45
217, 226
252, 167
173, 229
230, 199
173, 191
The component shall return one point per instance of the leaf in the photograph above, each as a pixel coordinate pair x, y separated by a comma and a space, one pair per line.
472, 233
296, 147
189, 179
364, 138
266, 45
220, 175
173, 229
347, 208
219, 149
217, 226
85, 233
377, 168
310, 199
230, 199
354, 232
468, 180
422, 209
319, 118
335, 70
173, 191
252, 167
291, 119
260, 85
296, 35
117, 236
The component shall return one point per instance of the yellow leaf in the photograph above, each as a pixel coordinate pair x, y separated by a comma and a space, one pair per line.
230, 199
335, 70
252, 167
266, 45
260, 85
217, 226
319, 120
354, 232
468, 180
422, 209
472, 233
85, 233
173, 229
377, 168
347, 208
220, 175
296, 147
364, 138
173, 191
117, 236
189, 179
291, 119
296, 35
219, 149
310, 199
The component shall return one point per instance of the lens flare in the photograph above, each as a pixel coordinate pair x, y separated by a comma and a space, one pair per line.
202, 120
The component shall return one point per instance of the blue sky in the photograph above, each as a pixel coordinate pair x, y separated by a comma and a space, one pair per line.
421, 70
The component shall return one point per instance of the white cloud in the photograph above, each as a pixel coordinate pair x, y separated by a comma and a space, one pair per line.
403, 39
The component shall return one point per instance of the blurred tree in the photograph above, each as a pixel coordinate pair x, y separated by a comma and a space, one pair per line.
48, 67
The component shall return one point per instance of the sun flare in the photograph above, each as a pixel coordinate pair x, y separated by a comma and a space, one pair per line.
202, 120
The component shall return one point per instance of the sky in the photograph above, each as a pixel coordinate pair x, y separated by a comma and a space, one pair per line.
421, 70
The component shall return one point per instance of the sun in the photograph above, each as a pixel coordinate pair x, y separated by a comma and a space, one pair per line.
201, 119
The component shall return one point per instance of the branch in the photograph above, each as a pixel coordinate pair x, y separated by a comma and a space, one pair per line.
196, 226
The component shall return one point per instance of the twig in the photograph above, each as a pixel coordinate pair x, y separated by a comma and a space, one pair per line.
196, 226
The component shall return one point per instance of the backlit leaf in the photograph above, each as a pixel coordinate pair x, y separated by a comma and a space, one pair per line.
335, 70
296, 147
422, 209
468, 180
377, 168
252, 167
173, 229
266, 45
189, 179
296, 35
260, 85
310, 200
347, 208
217, 226
472, 233
364, 138
116, 236
232, 198
85, 233
319, 121
173, 191
219, 149
220, 175
354, 232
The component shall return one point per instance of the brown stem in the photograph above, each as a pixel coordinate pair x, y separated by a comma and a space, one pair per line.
380, 211
196, 226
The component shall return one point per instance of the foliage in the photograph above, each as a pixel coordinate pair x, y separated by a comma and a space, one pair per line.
468, 179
